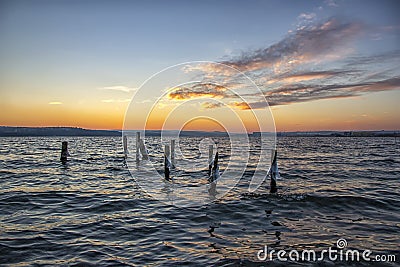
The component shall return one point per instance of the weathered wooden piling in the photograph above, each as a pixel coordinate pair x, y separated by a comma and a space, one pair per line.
64, 151
215, 167
167, 163
166, 168
137, 146
125, 142
273, 171
143, 150
215, 170
173, 162
210, 158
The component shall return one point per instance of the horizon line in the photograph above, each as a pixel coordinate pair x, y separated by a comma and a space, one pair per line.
208, 131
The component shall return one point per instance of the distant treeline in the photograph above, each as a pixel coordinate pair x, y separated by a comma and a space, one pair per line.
340, 134
187, 133
54, 131
75, 131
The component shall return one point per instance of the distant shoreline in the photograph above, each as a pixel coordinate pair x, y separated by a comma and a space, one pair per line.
10, 131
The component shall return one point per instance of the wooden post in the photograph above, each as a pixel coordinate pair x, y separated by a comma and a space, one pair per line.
167, 163
215, 170
143, 150
173, 163
273, 171
125, 142
210, 158
215, 161
137, 146
64, 152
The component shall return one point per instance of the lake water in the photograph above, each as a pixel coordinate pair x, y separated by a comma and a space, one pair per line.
92, 212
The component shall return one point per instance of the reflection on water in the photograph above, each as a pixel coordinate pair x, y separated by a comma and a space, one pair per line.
91, 211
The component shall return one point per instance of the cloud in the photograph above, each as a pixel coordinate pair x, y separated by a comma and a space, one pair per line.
234, 104
307, 16
299, 93
211, 105
240, 105
199, 90
311, 43
120, 88
331, 3
318, 60
290, 94
388, 58
55, 103
298, 77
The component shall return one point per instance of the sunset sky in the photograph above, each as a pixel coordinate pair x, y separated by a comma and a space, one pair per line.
321, 65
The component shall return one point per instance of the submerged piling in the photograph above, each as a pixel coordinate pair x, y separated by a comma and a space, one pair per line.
273, 171
167, 163
210, 158
125, 142
140, 148
215, 167
137, 146
64, 151
215, 170
143, 150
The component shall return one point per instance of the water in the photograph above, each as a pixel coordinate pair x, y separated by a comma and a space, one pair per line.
91, 212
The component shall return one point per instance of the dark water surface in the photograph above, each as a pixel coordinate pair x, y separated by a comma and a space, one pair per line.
91, 212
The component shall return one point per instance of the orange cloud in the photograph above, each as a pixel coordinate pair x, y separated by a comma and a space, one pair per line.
240, 105
203, 90
210, 105
305, 77
300, 77
190, 95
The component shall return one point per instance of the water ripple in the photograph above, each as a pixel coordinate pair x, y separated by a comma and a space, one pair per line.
91, 212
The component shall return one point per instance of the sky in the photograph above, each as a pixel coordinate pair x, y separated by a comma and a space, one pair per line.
309, 65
